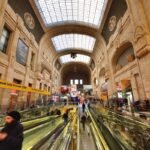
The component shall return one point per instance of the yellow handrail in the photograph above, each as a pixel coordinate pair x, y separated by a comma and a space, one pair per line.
105, 146
78, 134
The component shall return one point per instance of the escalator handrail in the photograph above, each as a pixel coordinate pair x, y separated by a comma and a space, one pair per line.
102, 140
78, 134
67, 142
66, 145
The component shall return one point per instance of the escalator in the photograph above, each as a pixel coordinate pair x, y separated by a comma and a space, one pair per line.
122, 132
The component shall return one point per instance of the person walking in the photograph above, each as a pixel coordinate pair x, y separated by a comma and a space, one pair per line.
11, 136
83, 107
65, 117
88, 125
83, 120
80, 110
88, 105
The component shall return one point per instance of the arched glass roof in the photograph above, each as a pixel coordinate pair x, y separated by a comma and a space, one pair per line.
85, 12
73, 41
79, 58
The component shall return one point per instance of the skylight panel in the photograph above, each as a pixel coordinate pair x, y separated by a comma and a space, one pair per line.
79, 58
74, 41
69, 11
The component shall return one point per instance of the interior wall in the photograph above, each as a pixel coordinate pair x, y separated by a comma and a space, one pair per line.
146, 6
23, 6
117, 9
76, 71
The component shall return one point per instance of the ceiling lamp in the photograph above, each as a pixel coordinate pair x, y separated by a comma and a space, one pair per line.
73, 55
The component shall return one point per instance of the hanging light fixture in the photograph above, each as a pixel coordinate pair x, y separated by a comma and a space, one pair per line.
73, 55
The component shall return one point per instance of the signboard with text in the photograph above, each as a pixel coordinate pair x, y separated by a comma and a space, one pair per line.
19, 87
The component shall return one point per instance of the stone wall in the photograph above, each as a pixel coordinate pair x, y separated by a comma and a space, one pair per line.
10, 69
133, 27
22, 7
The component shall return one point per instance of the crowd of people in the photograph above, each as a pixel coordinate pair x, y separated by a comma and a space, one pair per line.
11, 135
85, 120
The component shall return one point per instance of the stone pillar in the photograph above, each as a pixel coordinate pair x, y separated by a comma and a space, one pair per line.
135, 88
112, 82
26, 79
38, 75
141, 41
141, 27
37, 70
12, 45
110, 89
3, 5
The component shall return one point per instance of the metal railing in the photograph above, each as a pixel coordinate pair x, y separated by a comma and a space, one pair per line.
63, 141
78, 134
34, 113
100, 141
113, 126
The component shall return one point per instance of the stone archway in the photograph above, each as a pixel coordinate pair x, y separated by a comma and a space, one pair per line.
102, 76
122, 56
73, 71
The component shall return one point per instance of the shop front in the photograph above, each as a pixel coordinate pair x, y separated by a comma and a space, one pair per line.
124, 96
19, 95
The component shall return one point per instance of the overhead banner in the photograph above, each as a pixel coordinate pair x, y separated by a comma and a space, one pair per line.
19, 87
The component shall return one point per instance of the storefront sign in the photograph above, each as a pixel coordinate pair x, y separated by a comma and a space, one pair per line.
118, 86
19, 87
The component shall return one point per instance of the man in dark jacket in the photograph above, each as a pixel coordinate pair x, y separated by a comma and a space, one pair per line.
11, 136
65, 117
83, 120
83, 107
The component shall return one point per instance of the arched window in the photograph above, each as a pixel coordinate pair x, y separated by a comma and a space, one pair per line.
123, 56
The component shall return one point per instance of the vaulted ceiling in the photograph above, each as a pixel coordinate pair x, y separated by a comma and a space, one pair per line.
71, 26
73, 15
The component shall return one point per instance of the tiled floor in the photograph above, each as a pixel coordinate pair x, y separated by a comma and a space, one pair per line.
86, 141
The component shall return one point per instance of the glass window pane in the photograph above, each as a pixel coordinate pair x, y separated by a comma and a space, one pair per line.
79, 58
76, 81
4, 40
81, 81
80, 11
74, 41
71, 81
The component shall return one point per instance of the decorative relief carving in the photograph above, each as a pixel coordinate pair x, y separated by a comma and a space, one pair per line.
118, 67
117, 43
29, 20
107, 74
140, 38
112, 23
139, 33
142, 53
19, 23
